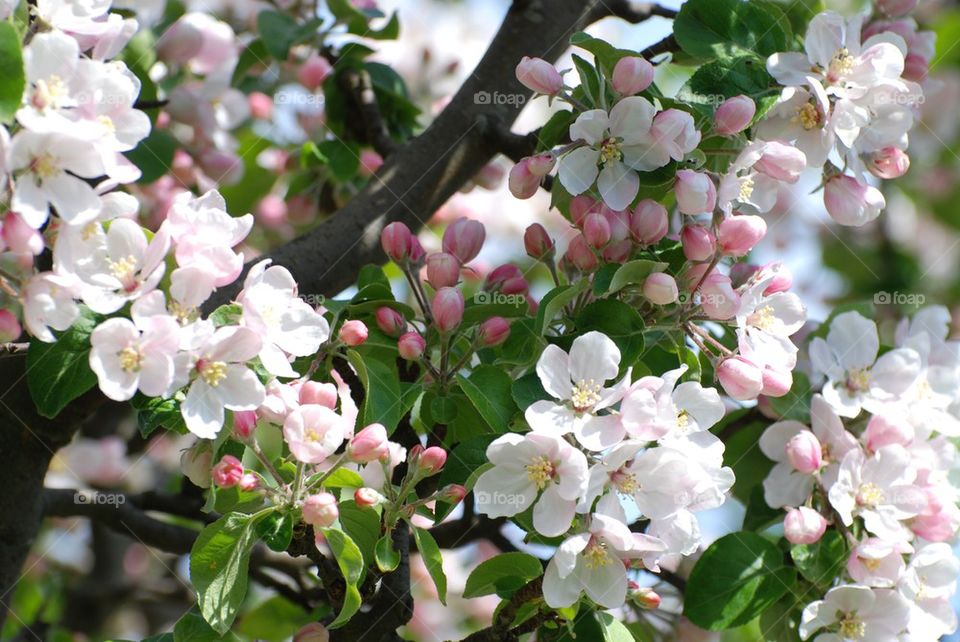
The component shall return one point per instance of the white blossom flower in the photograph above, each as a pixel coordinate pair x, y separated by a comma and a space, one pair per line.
127, 355
656, 407
853, 613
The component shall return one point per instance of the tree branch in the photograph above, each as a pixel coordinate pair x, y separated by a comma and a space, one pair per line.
422, 174
373, 129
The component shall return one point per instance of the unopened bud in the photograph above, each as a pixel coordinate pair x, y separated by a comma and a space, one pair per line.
734, 115
804, 526
320, 510
411, 346
390, 321
353, 332
631, 75
493, 331
537, 242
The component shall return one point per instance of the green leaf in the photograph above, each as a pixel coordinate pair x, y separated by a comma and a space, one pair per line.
340, 478
276, 530
464, 460
154, 412
606, 54
253, 55
555, 131
759, 515
433, 560
382, 402
737, 578
193, 628
488, 388
822, 561
363, 527
388, 558
58, 373
278, 31
275, 620
749, 464
226, 314
218, 568
528, 390
634, 273
350, 560
589, 79
711, 29
620, 322
780, 622
13, 80
554, 301
342, 157
504, 573
153, 155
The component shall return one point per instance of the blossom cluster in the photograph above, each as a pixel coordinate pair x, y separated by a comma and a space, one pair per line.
598, 447
875, 464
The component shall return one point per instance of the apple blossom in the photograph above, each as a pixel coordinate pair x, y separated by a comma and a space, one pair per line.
734, 115
134, 355
411, 346
353, 332
539, 75
228, 472
320, 510
803, 526
856, 613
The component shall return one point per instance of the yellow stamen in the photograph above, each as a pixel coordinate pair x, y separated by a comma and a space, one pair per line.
852, 627
869, 495
762, 318
808, 116
596, 556
610, 151
841, 64
540, 471
585, 395
213, 372
131, 358
45, 166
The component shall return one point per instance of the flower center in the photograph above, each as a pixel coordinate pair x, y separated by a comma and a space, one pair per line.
596, 556
869, 495
746, 188
871, 564
585, 395
48, 93
840, 65
624, 482
124, 270
540, 471
312, 435
90, 230
808, 116
683, 420
858, 380
213, 372
852, 627
610, 151
762, 318
182, 313
107, 123
45, 166
131, 358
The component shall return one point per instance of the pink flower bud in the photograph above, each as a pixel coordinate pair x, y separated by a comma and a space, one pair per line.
228, 472
500, 275
19, 237
580, 206
370, 444
537, 242
782, 162
396, 241
781, 282
618, 252
734, 115
411, 346
885, 430
367, 497
10, 329
660, 289
249, 482
320, 394
580, 255
541, 164
447, 309
313, 72
740, 378
698, 242
261, 105
390, 321
417, 252
463, 238
353, 332
180, 42
432, 459
596, 230
452, 493
896, 8
539, 75
850, 202
804, 526
696, 193
313, 632
649, 222
493, 331
523, 183
645, 598
244, 421
370, 162
272, 211
443, 270
515, 285
804, 452
320, 510
776, 381
631, 75
889, 163
619, 222
737, 235
916, 67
